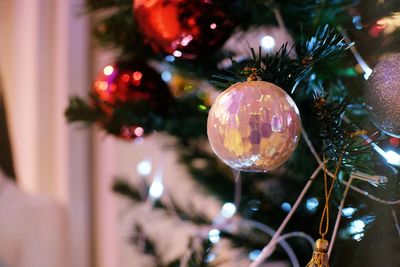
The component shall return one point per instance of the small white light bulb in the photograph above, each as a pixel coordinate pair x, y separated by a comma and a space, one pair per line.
268, 42
144, 167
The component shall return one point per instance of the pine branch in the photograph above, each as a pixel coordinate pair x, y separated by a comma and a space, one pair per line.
80, 110
123, 188
285, 68
340, 139
323, 46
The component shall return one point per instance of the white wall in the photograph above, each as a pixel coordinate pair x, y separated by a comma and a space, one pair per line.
44, 57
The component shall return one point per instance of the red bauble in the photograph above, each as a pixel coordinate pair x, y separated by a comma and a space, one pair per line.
133, 87
183, 28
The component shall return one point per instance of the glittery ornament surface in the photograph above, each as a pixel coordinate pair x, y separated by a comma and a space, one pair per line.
183, 28
132, 86
131, 83
254, 126
382, 95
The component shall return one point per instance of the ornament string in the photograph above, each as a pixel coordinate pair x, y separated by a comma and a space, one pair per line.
373, 179
328, 193
320, 257
238, 190
339, 216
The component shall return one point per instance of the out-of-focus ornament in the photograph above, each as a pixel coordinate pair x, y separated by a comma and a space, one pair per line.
133, 86
392, 23
183, 28
254, 126
394, 141
181, 85
382, 95
377, 28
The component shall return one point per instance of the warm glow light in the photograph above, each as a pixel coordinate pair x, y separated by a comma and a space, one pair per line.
137, 75
186, 40
381, 22
177, 53
213, 26
392, 23
103, 85
394, 141
125, 78
112, 87
108, 70
139, 131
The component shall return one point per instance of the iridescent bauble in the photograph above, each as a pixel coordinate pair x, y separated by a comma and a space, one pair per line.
254, 126
183, 28
134, 88
382, 95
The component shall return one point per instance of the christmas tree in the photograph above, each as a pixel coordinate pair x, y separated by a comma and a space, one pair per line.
304, 132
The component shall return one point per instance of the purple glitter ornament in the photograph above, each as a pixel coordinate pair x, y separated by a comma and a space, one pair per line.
382, 95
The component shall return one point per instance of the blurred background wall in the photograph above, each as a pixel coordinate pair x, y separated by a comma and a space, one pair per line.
44, 57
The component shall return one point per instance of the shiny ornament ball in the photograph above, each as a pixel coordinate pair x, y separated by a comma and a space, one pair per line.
254, 126
134, 87
183, 28
382, 95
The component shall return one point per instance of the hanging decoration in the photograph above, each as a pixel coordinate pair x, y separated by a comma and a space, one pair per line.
183, 28
254, 126
132, 87
320, 255
382, 95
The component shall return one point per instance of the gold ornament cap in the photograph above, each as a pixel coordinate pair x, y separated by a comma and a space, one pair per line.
320, 255
322, 245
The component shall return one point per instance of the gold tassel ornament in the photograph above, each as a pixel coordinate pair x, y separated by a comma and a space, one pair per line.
320, 254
